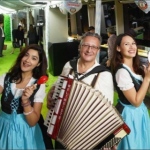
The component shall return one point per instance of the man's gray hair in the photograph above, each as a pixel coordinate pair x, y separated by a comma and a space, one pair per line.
92, 35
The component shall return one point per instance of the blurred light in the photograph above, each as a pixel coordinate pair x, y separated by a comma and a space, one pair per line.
54, 4
5, 10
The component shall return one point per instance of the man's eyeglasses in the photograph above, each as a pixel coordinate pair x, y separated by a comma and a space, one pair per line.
88, 46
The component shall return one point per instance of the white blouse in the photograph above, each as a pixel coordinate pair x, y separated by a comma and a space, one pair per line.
38, 97
124, 80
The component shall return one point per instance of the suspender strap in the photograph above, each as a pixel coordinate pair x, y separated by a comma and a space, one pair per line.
97, 69
94, 80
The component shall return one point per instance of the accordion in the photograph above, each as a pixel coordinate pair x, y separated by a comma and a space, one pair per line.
83, 118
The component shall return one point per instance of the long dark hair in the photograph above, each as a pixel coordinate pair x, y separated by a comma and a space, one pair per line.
16, 72
117, 58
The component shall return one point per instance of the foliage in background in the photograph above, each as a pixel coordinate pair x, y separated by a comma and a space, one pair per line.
7, 28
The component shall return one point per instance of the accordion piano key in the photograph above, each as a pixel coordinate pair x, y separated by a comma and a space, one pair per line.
55, 96
47, 122
50, 129
49, 116
58, 90
59, 108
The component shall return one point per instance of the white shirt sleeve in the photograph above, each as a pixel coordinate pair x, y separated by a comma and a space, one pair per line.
124, 80
105, 85
66, 69
40, 94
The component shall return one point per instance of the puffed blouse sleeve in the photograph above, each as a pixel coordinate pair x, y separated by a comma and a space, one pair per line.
2, 77
66, 69
124, 80
40, 94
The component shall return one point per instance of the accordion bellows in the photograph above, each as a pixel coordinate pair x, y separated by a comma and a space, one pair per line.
83, 118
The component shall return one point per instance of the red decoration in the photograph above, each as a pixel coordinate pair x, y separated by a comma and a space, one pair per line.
42, 79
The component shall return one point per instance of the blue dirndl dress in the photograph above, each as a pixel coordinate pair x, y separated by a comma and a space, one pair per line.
137, 118
15, 133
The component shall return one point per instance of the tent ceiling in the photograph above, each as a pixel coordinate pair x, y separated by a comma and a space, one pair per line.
21, 4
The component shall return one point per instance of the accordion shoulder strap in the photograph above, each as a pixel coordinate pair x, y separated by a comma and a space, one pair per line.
94, 80
97, 69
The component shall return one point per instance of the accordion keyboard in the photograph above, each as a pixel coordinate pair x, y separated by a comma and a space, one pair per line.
58, 87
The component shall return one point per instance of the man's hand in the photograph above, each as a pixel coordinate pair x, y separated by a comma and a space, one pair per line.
50, 101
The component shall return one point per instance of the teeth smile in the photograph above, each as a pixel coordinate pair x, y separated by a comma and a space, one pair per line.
26, 65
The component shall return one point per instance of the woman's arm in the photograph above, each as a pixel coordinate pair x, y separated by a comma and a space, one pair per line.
32, 114
1, 89
137, 97
125, 84
2, 83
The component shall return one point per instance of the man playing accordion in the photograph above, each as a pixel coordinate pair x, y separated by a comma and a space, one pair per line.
82, 70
